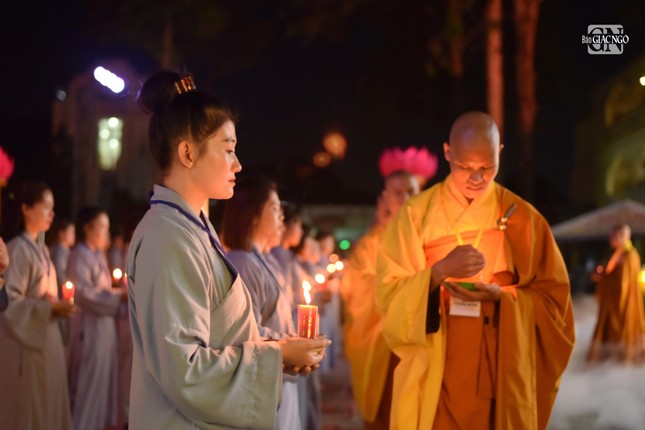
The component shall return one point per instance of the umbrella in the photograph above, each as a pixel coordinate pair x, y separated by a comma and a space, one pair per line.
598, 223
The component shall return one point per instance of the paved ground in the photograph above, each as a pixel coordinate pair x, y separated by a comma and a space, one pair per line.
605, 397
339, 409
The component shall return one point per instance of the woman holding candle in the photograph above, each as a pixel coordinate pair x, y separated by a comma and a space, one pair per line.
304, 273
32, 360
63, 238
199, 360
93, 347
252, 218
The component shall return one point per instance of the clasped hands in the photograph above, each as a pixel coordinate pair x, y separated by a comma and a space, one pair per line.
463, 262
301, 356
61, 308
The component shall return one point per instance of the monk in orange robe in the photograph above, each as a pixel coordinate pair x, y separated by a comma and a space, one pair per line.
620, 329
490, 358
370, 359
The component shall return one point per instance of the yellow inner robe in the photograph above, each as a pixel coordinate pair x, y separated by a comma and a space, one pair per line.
365, 348
534, 333
620, 325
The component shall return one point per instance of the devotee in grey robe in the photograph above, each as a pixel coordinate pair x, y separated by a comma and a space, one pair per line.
282, 254
33, 378
93, 349
252, 218
64, 238
197, 320
309, 389
273, 314
124, 362
116, 260
199, 360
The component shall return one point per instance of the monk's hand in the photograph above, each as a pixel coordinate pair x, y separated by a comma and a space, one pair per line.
462, 262
298, 352
485, 292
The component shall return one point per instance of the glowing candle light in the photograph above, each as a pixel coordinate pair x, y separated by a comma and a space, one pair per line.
320, 278
68, 292
339, 265
307, 315
117, 274
331, 268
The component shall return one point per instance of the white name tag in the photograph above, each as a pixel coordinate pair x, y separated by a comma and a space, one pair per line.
463, 308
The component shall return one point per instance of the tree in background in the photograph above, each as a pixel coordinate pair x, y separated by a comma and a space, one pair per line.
526, 14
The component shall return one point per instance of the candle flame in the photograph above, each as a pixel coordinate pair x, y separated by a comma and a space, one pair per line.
117, 274
68, 292
331, 268
320, 278
306, 288
339, 265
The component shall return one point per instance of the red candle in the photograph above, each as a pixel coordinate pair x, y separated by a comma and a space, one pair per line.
308, 321
307, 315
68, 292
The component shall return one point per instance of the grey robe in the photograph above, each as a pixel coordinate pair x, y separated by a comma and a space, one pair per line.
199, 361
60, 257
284, 261
33, 379
93, 348
273, 315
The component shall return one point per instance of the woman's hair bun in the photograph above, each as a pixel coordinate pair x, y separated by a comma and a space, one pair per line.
158, 91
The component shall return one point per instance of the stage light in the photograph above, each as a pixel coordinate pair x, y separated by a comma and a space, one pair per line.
109, 79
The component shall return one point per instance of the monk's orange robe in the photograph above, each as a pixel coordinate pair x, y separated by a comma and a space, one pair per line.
620, 329
502, 369
365, 348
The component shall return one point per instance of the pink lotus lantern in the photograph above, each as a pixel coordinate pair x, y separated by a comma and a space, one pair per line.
6, 167
6, 170
418, 161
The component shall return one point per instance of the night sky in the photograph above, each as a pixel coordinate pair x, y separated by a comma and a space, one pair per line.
291, 93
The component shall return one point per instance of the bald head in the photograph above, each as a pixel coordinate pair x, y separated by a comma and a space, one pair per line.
472, 129
619, 236
473, 153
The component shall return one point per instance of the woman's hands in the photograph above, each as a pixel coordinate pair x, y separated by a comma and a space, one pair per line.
301, 355
61, 308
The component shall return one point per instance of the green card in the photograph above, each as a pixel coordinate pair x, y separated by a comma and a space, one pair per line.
467, 285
